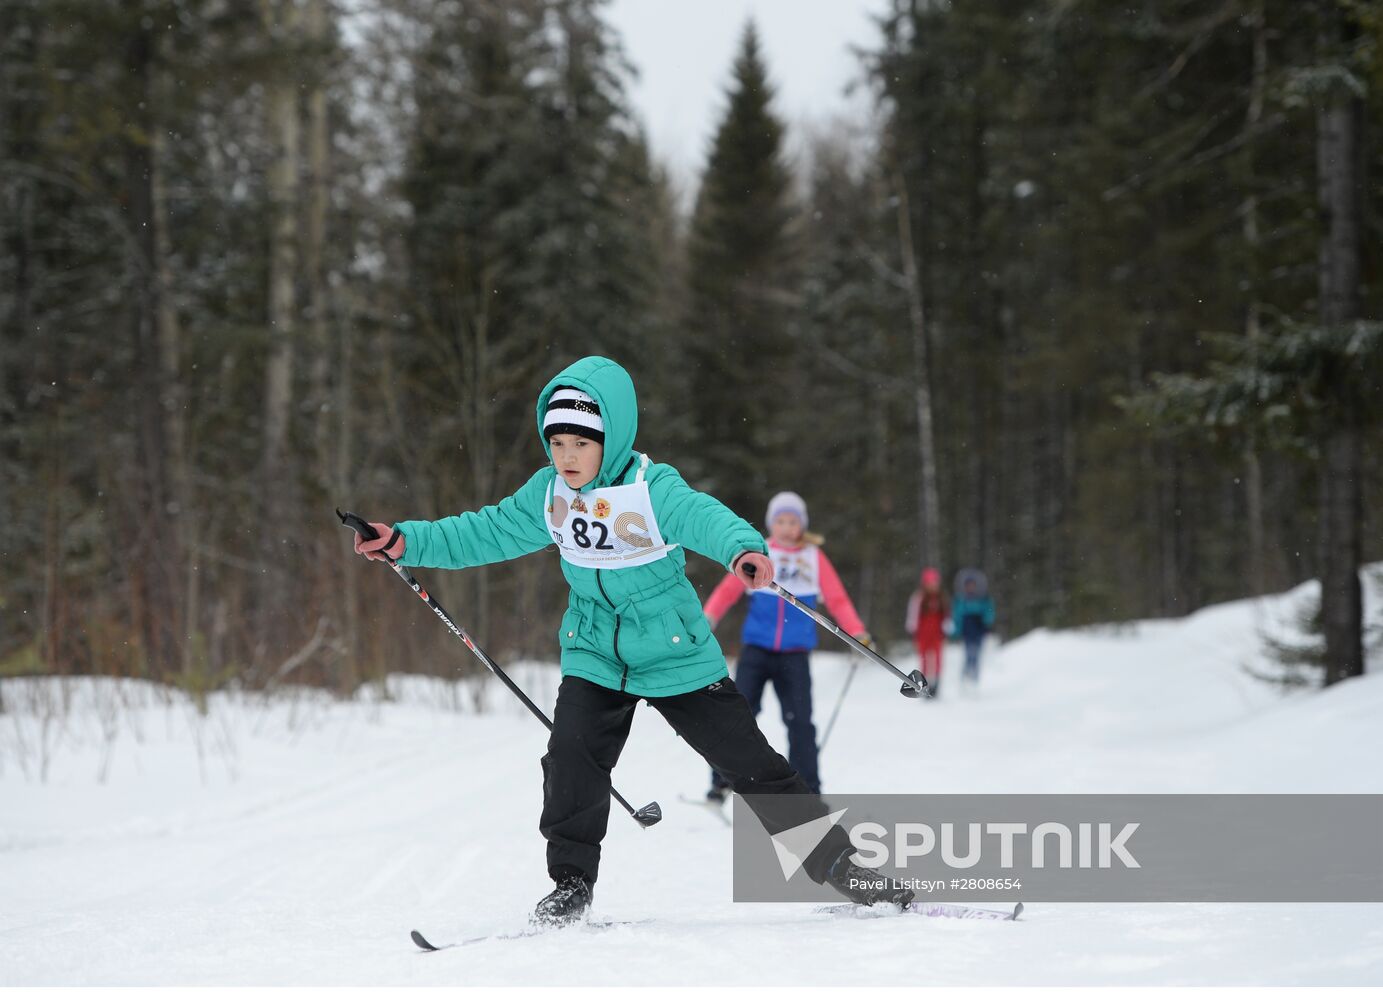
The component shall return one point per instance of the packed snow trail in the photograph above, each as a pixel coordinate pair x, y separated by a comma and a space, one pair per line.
298, 842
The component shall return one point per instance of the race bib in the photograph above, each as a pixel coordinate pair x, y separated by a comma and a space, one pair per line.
608, 528
798, 571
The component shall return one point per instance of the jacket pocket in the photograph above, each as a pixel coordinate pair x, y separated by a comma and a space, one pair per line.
573, 630
687, 625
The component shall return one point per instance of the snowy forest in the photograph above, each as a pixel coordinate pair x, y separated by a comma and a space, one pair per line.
1091, 302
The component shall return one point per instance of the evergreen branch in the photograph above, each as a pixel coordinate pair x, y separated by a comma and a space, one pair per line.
1280, 385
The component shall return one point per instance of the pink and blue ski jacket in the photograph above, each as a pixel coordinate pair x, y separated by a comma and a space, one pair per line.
806, 573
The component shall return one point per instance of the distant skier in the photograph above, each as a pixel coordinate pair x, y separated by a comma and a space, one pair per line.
972, 618
928, 622
777, 639
633, 629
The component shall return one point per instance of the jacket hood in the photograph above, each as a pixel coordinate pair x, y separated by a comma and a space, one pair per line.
980, 580
613, 390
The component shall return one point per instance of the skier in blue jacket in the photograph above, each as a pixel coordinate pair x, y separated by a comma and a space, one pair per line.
972, 618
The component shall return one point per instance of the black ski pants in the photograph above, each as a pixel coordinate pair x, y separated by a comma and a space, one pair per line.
791, 676
589, 728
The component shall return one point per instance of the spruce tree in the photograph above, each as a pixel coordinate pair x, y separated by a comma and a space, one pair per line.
739, 274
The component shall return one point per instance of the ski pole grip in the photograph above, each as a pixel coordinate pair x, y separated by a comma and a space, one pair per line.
748, 567
357, 524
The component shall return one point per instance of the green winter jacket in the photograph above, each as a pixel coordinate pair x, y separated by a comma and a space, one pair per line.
640, 628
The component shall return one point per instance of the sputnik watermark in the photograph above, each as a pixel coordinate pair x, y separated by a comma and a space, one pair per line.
1091, 845
1110, 848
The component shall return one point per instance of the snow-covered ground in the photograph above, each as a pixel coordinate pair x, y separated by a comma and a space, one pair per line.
297, 842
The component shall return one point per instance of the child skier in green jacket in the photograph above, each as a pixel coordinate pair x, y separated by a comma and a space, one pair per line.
633, 629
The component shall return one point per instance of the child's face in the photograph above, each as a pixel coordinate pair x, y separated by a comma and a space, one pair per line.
576, 459
786, 529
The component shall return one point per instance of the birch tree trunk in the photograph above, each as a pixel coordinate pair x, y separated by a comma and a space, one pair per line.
929, 508
173, 396
281, 110
314, 265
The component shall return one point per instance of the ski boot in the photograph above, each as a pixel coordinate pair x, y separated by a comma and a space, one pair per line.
717, 795
565, 904
869, 886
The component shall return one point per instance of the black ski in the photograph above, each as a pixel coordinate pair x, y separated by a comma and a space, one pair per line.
921, 908
532, 930
425, 944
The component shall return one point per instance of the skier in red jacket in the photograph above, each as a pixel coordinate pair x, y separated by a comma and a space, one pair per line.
929, 614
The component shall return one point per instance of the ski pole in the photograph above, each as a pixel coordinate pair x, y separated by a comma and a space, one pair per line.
914, 684
645, 817
821, 744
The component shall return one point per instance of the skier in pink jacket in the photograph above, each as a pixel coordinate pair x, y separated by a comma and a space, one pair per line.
777, 638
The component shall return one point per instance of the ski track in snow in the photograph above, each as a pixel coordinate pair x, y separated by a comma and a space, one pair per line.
306, 839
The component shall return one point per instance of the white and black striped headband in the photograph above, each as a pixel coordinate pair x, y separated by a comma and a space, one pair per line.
571, 411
